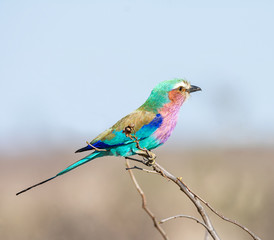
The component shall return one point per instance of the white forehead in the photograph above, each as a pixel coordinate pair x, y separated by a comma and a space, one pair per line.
183, 84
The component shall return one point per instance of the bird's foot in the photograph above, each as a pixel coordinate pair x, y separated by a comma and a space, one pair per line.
150, 158
149, 162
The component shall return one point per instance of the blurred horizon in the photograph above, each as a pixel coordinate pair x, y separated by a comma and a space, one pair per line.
99, 201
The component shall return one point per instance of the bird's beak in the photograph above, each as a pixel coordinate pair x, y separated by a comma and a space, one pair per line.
193, 89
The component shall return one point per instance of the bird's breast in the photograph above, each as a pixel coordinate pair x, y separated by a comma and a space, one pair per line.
169, 113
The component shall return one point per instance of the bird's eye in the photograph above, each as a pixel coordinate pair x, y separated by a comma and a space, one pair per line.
181, 88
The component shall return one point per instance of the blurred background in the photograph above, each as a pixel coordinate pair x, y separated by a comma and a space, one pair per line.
71, 69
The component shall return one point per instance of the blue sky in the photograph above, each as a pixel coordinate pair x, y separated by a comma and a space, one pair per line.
70, 69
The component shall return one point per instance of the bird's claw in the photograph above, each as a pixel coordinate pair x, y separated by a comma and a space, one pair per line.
149, 162
150, 158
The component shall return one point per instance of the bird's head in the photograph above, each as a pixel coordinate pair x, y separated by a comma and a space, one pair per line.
175, 91
179, 90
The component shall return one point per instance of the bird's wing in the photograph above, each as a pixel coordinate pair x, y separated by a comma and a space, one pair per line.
145, 123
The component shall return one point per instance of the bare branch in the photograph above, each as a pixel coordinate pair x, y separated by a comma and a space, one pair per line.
150, 161
136, 160
185, 216
144, 202
192, 197
206, 235
143, 169
222, 216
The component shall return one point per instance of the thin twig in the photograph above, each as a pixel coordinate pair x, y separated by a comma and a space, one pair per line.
143, 169
222, 216
136, 160
180, 183
144, 202
129, 132
184, 216
191, 195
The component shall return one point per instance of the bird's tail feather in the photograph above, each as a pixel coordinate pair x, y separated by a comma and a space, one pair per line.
79, 163
69, 168
35, 185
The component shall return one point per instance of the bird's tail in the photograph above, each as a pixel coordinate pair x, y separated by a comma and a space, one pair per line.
69, 168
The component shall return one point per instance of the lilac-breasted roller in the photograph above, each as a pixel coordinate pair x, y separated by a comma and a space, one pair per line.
153, 123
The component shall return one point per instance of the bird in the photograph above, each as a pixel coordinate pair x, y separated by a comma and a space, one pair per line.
152, 123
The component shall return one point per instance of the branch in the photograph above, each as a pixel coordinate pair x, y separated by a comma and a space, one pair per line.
206, 235
196, 198
192, 197
185, 216
150, 157
144, 202
136, 160
143, 169
149, 160
223, 217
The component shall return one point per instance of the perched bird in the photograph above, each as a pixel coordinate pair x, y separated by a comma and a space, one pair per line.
152, 124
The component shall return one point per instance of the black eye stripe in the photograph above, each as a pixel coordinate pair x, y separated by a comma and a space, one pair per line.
181, 88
